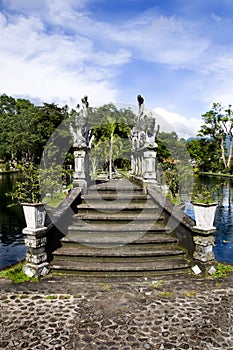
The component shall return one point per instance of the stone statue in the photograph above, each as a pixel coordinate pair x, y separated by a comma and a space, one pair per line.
150, 132
79, 129
140, 108
144, 134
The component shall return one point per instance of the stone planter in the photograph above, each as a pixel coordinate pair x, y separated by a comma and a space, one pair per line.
204, 217
34, 214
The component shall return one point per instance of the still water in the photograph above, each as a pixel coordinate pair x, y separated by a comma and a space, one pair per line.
12, 222
223, 249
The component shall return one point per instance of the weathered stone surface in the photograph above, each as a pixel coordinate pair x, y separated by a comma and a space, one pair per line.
115, 222
81, 313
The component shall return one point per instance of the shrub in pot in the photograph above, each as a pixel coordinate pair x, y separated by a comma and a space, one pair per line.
27, 193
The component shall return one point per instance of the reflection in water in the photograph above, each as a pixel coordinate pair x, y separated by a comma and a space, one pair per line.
224, 236
12, 222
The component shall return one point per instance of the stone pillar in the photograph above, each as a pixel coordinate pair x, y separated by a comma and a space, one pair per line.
204, 248
132, 164
136, 165
150, 165
139, 165
36, 257
142, 166
81, 168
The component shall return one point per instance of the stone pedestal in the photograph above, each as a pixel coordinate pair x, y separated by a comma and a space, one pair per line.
149, 165
81, 168
36, 257
204, 248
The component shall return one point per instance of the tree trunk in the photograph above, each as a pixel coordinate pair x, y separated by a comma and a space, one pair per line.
223, 152
94, 166
110, 157
230, 154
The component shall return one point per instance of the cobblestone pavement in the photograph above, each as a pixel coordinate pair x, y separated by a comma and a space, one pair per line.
179, 312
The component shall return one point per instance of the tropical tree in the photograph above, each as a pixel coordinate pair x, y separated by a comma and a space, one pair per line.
206, 154
26, 128
174, 160
219, 128
111, 128
171, 148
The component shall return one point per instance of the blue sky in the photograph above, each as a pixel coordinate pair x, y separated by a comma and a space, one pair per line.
177, 53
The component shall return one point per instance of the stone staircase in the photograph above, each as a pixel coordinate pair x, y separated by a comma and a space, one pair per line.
117, 231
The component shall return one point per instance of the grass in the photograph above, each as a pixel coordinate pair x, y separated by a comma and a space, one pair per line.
223, 270
175, 200
16, 274
51, 297
105, 286
64, 296
56, 200
166, 294
157, 284
190, 293
216, 174
125, 173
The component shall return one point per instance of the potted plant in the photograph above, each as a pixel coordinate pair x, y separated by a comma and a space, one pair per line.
204, 205
27, 193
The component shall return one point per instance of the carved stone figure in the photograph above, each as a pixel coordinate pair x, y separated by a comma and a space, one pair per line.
140, 108
144, 134
79, 128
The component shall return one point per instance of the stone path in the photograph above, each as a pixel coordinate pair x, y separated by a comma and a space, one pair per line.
179, 312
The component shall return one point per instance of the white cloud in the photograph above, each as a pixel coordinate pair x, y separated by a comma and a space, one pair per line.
25, 5
162, 39
183, 126
53, 67
57, 50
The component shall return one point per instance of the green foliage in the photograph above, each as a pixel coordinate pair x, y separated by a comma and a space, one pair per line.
190, 293
206, 153
27, 190
51, 180
25, 128
16, 274
51, 297
166, 294
222, 270
172, 179
55, 200
37, 182
219, 128
111, 128
171, 148
204, 194
158, 284
176, 169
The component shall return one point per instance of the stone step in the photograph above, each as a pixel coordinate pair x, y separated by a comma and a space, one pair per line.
117, 233
116, 227
114, 188
119, 185
117, 216
118, 230
156, 265
150, 238
114, 238
116, 197
120, 252
116, 206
